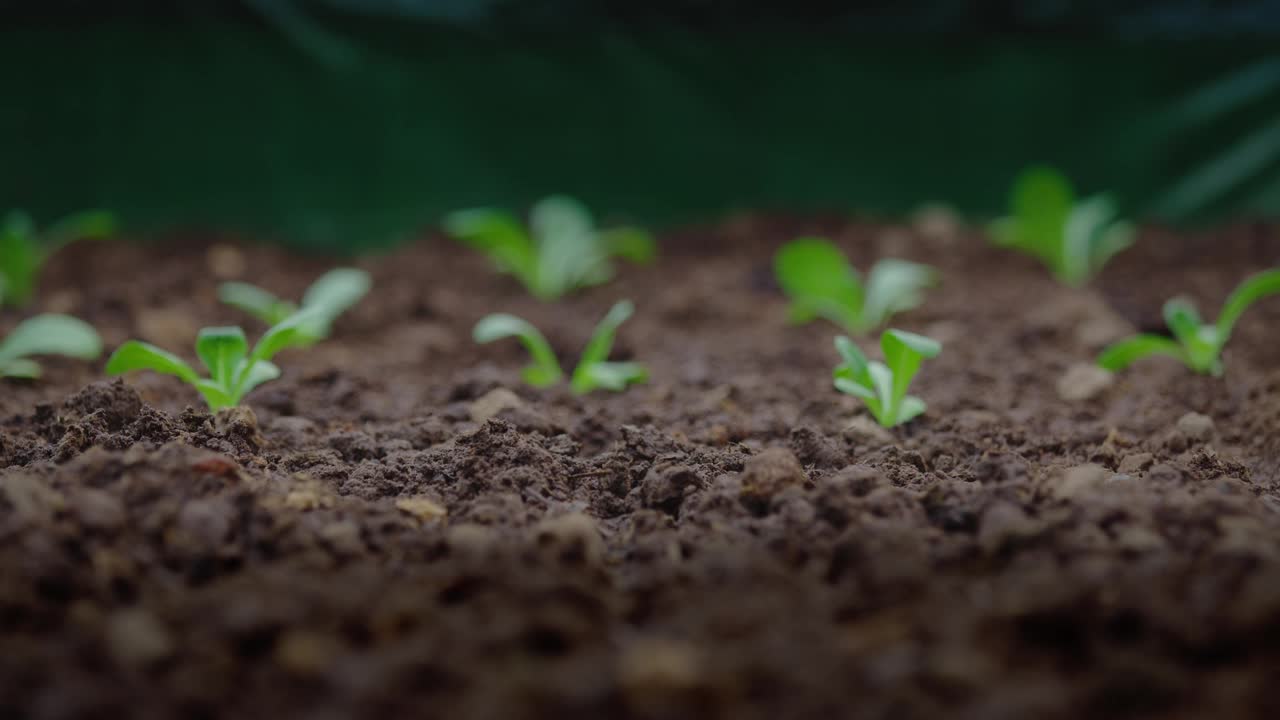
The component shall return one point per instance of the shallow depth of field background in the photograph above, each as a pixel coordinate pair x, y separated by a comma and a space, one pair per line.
347, 124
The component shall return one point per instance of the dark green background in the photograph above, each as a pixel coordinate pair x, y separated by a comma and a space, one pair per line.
368, 129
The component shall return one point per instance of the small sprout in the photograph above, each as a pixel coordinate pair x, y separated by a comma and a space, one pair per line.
561, 252
820, 282
882, 386
23, 250
332, 294
1197, 344
233, 369
594, 370
1074, 239
46, 335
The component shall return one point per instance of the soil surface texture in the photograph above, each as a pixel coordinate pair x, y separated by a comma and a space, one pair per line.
398, 528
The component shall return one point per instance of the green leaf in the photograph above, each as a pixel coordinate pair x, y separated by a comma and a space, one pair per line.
629, 243
498, 235
569, 251
337, 291
87, 225
51, 334
135, 355
222, 349
1042, 200
883, 407
20, 260
852, 355
903, 353
1124, 353
1090, 239
1182, 317
1250, 291
912, 407
616, 376
820, 282
21, 368
601, 343
849, 386
894, 286
216, 395
255, 301
259, 372
545, 369
292, 332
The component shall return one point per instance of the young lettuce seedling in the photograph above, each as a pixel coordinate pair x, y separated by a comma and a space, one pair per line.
882, 386
1074, 239
233, 369
46, 335
561, 252
330, 295
594, 370
23, 250
1197, 344
820, 282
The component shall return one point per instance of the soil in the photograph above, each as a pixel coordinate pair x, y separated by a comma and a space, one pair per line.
399, 528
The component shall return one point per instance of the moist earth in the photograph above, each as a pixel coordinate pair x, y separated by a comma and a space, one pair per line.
399, 528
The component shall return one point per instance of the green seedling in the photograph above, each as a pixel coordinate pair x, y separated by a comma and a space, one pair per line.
46, 335
562, 250
820, 282
332, 294
882, 386
594, 369
1197, 344
23, 250
1074, 239
233, 369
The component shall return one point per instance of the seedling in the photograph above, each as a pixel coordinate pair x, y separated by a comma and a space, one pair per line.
594, 370
1074, 239
1197, 344
329, 296
233, 369
46, 335
882, 386
820, 282
562, 250
23, 250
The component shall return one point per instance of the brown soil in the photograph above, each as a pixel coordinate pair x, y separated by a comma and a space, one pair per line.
720, 543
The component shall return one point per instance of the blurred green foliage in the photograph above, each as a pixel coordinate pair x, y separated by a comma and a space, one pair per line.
354, 134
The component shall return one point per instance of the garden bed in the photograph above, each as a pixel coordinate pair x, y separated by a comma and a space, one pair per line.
405, 530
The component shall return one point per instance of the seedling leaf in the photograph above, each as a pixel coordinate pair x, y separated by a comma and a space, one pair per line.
256, 302
138, 355
630, 243
1074, 239
561, 251
593, 370
233, 370
498, 235
545, 369
1250, 291
23, 251
883, 386
51, 334
1124, 353
222, 350
334, 293
22, 368
820, 282
1196, 343
292, 332
597, 350
894, 286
